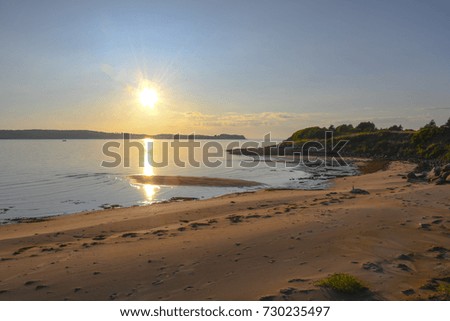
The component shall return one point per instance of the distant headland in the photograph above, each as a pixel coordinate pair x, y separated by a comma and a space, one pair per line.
89, 134
429, 143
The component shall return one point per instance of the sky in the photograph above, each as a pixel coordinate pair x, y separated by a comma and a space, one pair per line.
244, 67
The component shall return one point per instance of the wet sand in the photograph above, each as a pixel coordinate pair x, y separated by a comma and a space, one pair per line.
192, 181
269, 244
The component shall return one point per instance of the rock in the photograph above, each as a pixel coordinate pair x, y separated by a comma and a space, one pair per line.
432, 176
417, 177
445, 176
411, 175
439, 175
437, 170
422, 176
440, 181
359, 191
446, 168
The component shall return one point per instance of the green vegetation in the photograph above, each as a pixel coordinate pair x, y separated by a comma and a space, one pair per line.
342, 282
444, 290
431, 142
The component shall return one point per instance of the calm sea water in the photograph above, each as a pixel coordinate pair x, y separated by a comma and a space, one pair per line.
52, 177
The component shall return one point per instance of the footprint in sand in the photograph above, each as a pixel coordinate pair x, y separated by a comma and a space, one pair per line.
408, 292
234, 219
370, 266
41, 287
406, 257
297, 280
99, 237
129, 235
404, 267
28, 283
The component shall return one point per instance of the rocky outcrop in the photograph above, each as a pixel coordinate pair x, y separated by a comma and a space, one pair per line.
440, 175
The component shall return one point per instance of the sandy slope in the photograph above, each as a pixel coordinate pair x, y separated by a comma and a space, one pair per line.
242, 246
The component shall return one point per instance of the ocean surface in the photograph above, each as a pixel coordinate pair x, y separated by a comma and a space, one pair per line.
52, 177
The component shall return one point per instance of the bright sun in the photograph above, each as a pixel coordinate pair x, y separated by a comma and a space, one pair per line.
148, 97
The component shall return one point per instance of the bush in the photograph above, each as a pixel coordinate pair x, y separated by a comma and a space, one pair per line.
342, 282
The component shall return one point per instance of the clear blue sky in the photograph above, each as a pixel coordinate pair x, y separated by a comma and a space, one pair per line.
223, 66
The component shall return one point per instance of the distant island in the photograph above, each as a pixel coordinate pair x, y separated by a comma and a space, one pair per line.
89, 134
178, 136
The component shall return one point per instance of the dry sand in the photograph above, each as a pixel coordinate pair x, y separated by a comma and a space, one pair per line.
266, 244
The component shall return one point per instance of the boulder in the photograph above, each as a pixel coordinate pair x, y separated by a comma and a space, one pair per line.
411, 175
437, 170
440, 181
432, 176
446, 168
444, 178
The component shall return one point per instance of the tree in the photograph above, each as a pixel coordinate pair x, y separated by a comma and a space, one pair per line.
344, 129
396, 128
447, 124
366, 126
331, 127
432, 123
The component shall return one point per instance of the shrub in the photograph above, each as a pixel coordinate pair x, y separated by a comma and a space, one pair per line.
342, 282
444, 289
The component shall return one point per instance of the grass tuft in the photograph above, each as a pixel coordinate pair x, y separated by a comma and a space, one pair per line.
342, 282
444, 289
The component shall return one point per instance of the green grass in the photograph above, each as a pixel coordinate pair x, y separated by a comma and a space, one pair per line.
342, 282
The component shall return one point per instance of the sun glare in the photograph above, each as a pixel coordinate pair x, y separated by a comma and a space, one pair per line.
148, 97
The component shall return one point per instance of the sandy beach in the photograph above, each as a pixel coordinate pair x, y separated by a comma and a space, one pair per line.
269, 244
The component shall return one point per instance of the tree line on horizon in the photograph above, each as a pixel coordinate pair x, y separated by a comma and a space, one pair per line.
362, 127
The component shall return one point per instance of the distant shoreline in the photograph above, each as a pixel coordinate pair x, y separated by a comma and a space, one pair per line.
43, 134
